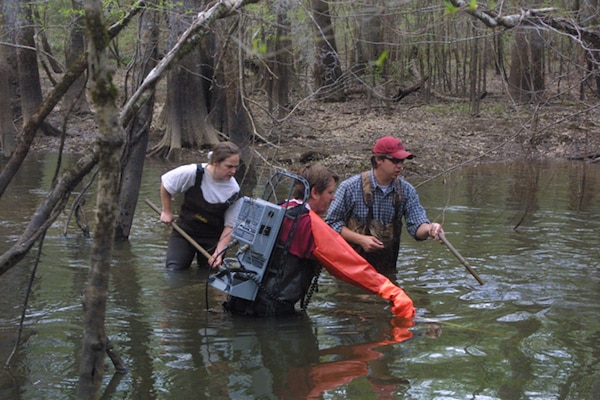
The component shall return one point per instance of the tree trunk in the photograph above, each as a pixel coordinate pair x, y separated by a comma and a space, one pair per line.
526, 79
75, 99
9, 108
280, 64
8, 30
237, 119
7, 129
138, 129
188, 102
328, 70
588, 15
110, 142
42, 42
29, 76
370, 38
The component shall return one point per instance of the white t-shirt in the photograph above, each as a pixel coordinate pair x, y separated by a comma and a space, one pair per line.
182, 178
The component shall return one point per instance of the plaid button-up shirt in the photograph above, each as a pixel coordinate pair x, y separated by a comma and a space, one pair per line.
349, 203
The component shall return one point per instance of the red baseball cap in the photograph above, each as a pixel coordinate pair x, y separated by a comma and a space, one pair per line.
392, 147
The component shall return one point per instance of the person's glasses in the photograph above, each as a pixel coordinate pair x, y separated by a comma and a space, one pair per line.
395, 160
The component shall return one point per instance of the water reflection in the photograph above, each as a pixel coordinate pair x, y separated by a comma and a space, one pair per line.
529, 230
250, 358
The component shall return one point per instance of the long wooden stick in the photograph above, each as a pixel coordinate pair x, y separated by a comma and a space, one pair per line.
460, 258
182, 232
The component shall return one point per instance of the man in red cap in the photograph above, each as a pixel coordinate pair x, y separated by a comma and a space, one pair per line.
369, 207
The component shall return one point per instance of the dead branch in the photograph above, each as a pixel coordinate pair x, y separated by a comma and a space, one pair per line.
588, 38
48, 211
403, 92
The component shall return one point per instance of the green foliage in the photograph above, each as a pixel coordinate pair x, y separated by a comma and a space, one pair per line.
56, 19
259, 47
378, 64
263, 10
381, 59
450, 8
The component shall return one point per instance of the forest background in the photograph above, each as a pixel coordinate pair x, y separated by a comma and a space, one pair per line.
289, 82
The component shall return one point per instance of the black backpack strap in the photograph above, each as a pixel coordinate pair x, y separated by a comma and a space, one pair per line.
233, 198
199, 174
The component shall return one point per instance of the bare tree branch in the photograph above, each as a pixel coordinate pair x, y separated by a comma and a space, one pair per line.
588, 38
48, 211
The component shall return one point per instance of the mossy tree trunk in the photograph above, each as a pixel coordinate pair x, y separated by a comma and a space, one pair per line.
110, 143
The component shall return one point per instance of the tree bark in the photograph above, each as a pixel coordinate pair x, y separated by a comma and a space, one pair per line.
138, 129
75, 99
7, 127
370, 37
280, 61
526, 79
328, 70
588, 15
188, 101
110, 142
29, 76
236, 121
8, 79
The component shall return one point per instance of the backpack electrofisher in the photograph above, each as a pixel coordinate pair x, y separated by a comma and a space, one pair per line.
255, 231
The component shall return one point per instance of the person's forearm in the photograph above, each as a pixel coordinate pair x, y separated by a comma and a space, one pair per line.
431, 230
350, 235
224, 240
423, 232
166, 215
165, 199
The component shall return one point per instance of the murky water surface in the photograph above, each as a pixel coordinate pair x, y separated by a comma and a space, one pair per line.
530, 332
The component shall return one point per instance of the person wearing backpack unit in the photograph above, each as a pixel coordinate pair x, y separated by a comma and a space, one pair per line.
369, 207
305, 244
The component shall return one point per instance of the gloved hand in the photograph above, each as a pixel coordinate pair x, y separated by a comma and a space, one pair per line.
341, 261
402, 305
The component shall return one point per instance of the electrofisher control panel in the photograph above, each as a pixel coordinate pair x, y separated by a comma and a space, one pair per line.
255, 230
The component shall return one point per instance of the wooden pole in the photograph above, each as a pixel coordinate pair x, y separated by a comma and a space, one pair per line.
460, 258
182, 232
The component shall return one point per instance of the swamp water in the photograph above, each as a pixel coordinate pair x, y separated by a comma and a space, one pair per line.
532, 331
